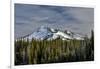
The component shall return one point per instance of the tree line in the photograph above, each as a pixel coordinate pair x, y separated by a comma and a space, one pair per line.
53, 51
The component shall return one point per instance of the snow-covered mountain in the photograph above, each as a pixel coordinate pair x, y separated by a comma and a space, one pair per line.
46, 33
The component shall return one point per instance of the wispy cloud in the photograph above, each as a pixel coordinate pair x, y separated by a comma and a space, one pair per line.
72, 18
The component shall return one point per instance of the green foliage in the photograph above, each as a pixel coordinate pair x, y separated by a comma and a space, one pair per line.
53, 51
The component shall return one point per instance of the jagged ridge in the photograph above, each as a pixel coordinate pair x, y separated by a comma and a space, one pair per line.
46, 33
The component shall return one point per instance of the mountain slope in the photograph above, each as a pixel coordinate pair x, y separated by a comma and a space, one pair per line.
46, 33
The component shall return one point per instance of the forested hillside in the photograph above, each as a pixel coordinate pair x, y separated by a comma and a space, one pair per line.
53, 51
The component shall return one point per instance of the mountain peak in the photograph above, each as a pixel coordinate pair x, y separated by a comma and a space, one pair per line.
50, 34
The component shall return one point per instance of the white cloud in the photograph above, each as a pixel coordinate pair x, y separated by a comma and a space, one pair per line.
76, 19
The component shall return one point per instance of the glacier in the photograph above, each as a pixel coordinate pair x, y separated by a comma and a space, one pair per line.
46, 33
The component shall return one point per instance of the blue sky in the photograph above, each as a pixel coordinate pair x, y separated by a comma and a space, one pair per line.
29, 17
